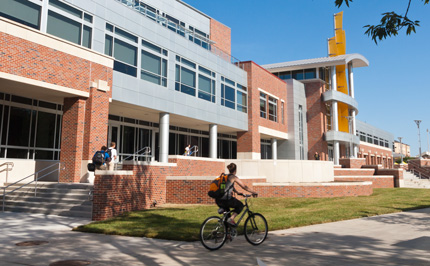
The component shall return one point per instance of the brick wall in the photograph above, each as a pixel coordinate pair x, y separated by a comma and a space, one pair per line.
316, 120
221, 35
353, 172
260, 78
376, 155
356, 163
377, 181
84, 125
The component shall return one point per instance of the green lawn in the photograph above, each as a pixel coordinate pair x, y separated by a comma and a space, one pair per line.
183, 222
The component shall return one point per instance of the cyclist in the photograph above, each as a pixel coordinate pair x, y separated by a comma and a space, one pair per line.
228, 201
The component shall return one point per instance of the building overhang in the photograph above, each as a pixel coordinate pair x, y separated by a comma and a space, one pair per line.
341, 137
338, 96
357, 60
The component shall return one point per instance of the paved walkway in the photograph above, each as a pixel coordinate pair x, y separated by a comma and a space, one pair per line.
394, 239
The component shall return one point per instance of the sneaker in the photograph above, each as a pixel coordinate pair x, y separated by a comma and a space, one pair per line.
231, 222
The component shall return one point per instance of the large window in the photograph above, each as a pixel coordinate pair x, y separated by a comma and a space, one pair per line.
282, 112
21, 11
301, 133
123, 47
310, 73
266, 149
69, 23
154, 65
185, 76
30, 129
234, 95
263, 105
206, 84
273, 109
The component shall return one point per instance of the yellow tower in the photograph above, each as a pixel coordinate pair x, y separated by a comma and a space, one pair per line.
337, 47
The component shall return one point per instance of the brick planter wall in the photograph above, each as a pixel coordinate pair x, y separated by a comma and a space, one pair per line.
356, 163
354, 172
377, 181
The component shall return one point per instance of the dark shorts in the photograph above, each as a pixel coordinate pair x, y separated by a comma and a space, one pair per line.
234, 203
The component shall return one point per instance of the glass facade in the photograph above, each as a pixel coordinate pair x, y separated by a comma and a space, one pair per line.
21, 11
273, 109
30, 129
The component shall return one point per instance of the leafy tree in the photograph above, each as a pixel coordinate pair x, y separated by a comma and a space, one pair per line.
391, 23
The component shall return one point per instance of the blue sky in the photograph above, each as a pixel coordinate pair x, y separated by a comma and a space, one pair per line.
392, 92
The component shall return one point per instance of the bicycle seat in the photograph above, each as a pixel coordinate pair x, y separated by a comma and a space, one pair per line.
221, 210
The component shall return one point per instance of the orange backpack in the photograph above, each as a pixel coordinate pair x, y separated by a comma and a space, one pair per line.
217, 187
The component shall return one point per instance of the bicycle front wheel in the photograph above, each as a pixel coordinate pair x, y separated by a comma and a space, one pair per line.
256, 229
213, 233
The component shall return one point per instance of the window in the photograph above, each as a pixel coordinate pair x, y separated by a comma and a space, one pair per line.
282, 112
285, 75
154, 67
328, 117
123, 47
231, 90
76, 29
301, 133
263, 108
30, 129
298, 74
266, 149
273, 109
185, 76
310, 73
242, 98
206, 84
21, 11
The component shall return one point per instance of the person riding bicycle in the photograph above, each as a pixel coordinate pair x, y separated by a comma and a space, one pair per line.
228, 201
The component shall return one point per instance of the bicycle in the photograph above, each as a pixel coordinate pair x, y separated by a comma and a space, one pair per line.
215, 230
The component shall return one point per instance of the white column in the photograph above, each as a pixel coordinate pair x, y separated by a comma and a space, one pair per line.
274, 149
164, 137
336, 153
44, 17
213, 141
351, 80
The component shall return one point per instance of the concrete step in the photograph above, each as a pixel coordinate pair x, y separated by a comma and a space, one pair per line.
87, 207
51, 198
353, 172
60, 212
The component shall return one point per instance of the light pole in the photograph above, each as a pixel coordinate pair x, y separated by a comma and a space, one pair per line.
419, 134
401, 150
428, 148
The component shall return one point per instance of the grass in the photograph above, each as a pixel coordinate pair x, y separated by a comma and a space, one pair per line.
182, 222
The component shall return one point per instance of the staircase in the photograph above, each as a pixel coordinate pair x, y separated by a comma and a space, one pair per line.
51, 198
413, 181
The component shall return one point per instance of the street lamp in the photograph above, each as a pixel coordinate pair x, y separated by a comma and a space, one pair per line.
401, 150
428, 148
419, 134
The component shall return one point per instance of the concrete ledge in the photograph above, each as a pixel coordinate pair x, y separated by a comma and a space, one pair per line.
181, 157
208, 177
107, 172
149, 163
325, 184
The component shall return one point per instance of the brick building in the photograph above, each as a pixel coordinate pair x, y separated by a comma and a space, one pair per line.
156, 76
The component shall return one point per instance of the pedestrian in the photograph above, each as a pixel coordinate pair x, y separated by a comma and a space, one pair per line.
187, 150
114, 156
317, 156
100, 158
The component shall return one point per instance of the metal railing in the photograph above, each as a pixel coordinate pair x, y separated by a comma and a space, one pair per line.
37, 176
144, 152
416, 169
419, 174
190, 35
7, 168
191, 151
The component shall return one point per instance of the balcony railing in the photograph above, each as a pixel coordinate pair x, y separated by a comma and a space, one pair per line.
190, 35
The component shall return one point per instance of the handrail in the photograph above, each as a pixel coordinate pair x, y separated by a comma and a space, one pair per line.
420, 175
193, 150
181, 30
37, 178
416, 167
7, 168
140, 153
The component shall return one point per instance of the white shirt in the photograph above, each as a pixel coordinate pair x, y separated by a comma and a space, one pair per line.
114, 155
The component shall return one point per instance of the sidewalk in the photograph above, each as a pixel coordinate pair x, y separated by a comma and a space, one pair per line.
394, 239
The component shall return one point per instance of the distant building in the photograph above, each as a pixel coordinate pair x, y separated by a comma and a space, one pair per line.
402, 148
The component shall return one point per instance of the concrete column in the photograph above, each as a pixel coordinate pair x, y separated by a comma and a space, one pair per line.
351, 80
213, 141
164, 137
354, 132
333, 78
336, 153
274, 149
44, 17
334, 115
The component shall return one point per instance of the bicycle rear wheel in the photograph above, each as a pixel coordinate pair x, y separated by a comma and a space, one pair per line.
256, 229
213, 233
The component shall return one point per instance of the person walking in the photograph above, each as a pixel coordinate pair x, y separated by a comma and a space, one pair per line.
114, 155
